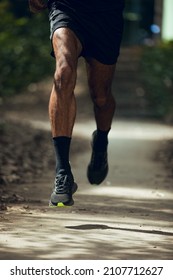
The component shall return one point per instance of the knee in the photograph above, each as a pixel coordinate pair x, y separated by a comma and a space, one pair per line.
101, 94
100, 102
64, 78
102, 97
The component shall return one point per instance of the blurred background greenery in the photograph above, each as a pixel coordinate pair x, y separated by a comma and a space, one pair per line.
157, 78
24, 47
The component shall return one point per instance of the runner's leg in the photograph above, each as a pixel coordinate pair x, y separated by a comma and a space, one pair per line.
62, 105
100, 80
62, 112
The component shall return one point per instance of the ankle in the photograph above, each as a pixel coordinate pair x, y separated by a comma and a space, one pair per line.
62, 148
100, 140
64, 171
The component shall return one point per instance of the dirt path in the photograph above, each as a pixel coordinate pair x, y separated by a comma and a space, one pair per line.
129, 216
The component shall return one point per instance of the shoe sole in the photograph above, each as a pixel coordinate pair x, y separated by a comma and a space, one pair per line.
64, 204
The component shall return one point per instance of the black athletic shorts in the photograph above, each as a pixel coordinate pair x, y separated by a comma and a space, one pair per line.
100, 32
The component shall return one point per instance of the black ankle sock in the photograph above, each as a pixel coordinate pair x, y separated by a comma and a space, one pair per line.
101, 140
62, 148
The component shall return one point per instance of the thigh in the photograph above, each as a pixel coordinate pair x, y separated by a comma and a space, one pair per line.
66, 46
100, 77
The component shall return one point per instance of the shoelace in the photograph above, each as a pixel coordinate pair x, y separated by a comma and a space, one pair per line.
61, 183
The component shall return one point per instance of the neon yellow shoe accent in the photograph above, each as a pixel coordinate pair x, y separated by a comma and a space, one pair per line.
60, 204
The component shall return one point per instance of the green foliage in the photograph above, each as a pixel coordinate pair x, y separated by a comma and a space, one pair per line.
157, 75
25, 48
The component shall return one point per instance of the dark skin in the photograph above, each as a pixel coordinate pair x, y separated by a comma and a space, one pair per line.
62, 105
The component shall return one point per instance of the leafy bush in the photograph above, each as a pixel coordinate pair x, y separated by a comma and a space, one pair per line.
157, 76
25, 48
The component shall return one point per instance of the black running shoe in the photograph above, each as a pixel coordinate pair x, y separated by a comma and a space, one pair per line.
64, 188
98, 166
